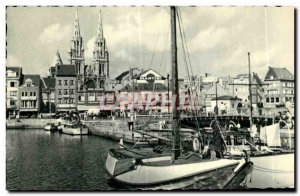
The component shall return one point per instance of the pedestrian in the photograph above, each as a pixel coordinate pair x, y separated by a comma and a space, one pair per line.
223, 108
217, 140
216, 110
239, 107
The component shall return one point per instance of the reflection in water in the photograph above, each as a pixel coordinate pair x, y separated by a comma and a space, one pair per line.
41, 160
37, 160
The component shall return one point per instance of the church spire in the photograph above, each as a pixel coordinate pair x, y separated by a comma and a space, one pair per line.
76, 25
58, 59
100, 28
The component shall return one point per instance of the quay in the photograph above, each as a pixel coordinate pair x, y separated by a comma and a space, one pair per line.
117, 128
186, 121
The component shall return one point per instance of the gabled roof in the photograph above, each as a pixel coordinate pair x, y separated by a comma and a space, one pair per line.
125, 73
220, 90
65, 70
143, 72
242, 75
144, 87
120, 77
257, 79
35, 79
279, 74
48, 82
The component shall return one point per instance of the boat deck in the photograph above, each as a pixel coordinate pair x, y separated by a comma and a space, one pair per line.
149, 157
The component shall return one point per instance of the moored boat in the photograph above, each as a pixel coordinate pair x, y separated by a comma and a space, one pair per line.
170, 166
75, 129
50, 127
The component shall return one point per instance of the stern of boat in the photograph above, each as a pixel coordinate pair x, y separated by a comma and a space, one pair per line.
110, 163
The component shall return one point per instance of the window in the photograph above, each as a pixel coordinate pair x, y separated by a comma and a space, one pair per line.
71, 91
23, 94
277, 99
65, 91
71, 100
59, 82
11, 73
71, 82
12, 84
272, 99
66, 82
30, 94
12, 102
59, 100
59, 91
34, 94
13, 93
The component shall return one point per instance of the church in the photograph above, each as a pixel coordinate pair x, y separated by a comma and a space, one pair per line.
92, 79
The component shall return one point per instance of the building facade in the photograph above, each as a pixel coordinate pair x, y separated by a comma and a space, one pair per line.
14, 77
146, 93
48, 95
66, 88
29, 95
241, 88
280, 86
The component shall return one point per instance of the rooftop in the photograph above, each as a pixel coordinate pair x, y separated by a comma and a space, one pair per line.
66, 70
226, 97
35, 79
48, 82
275, 73
144, 87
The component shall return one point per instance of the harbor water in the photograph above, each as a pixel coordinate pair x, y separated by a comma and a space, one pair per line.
40, 160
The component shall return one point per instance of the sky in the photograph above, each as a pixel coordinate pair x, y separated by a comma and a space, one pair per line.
218, 38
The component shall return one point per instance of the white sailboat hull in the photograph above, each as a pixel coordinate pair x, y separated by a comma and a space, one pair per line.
149, 175
75, 130
279, 168
49, 128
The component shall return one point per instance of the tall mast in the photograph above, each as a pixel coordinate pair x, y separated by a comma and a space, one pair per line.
250, 92
174, 86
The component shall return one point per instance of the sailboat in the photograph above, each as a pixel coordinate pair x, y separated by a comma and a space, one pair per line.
172, 168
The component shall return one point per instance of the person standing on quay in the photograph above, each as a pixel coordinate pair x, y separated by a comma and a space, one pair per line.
239, 107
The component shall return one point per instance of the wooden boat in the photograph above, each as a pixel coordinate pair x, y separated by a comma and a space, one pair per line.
153, 171
171, 168
75, 129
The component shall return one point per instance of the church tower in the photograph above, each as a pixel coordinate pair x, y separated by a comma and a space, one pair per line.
100, 61
76, 53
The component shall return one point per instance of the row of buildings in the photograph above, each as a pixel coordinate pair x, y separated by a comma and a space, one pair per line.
141, 90
81, 86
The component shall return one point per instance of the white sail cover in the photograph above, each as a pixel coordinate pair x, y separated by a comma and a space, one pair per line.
273, 135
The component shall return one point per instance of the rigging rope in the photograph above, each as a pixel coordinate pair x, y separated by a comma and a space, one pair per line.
189, 59
186, 60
